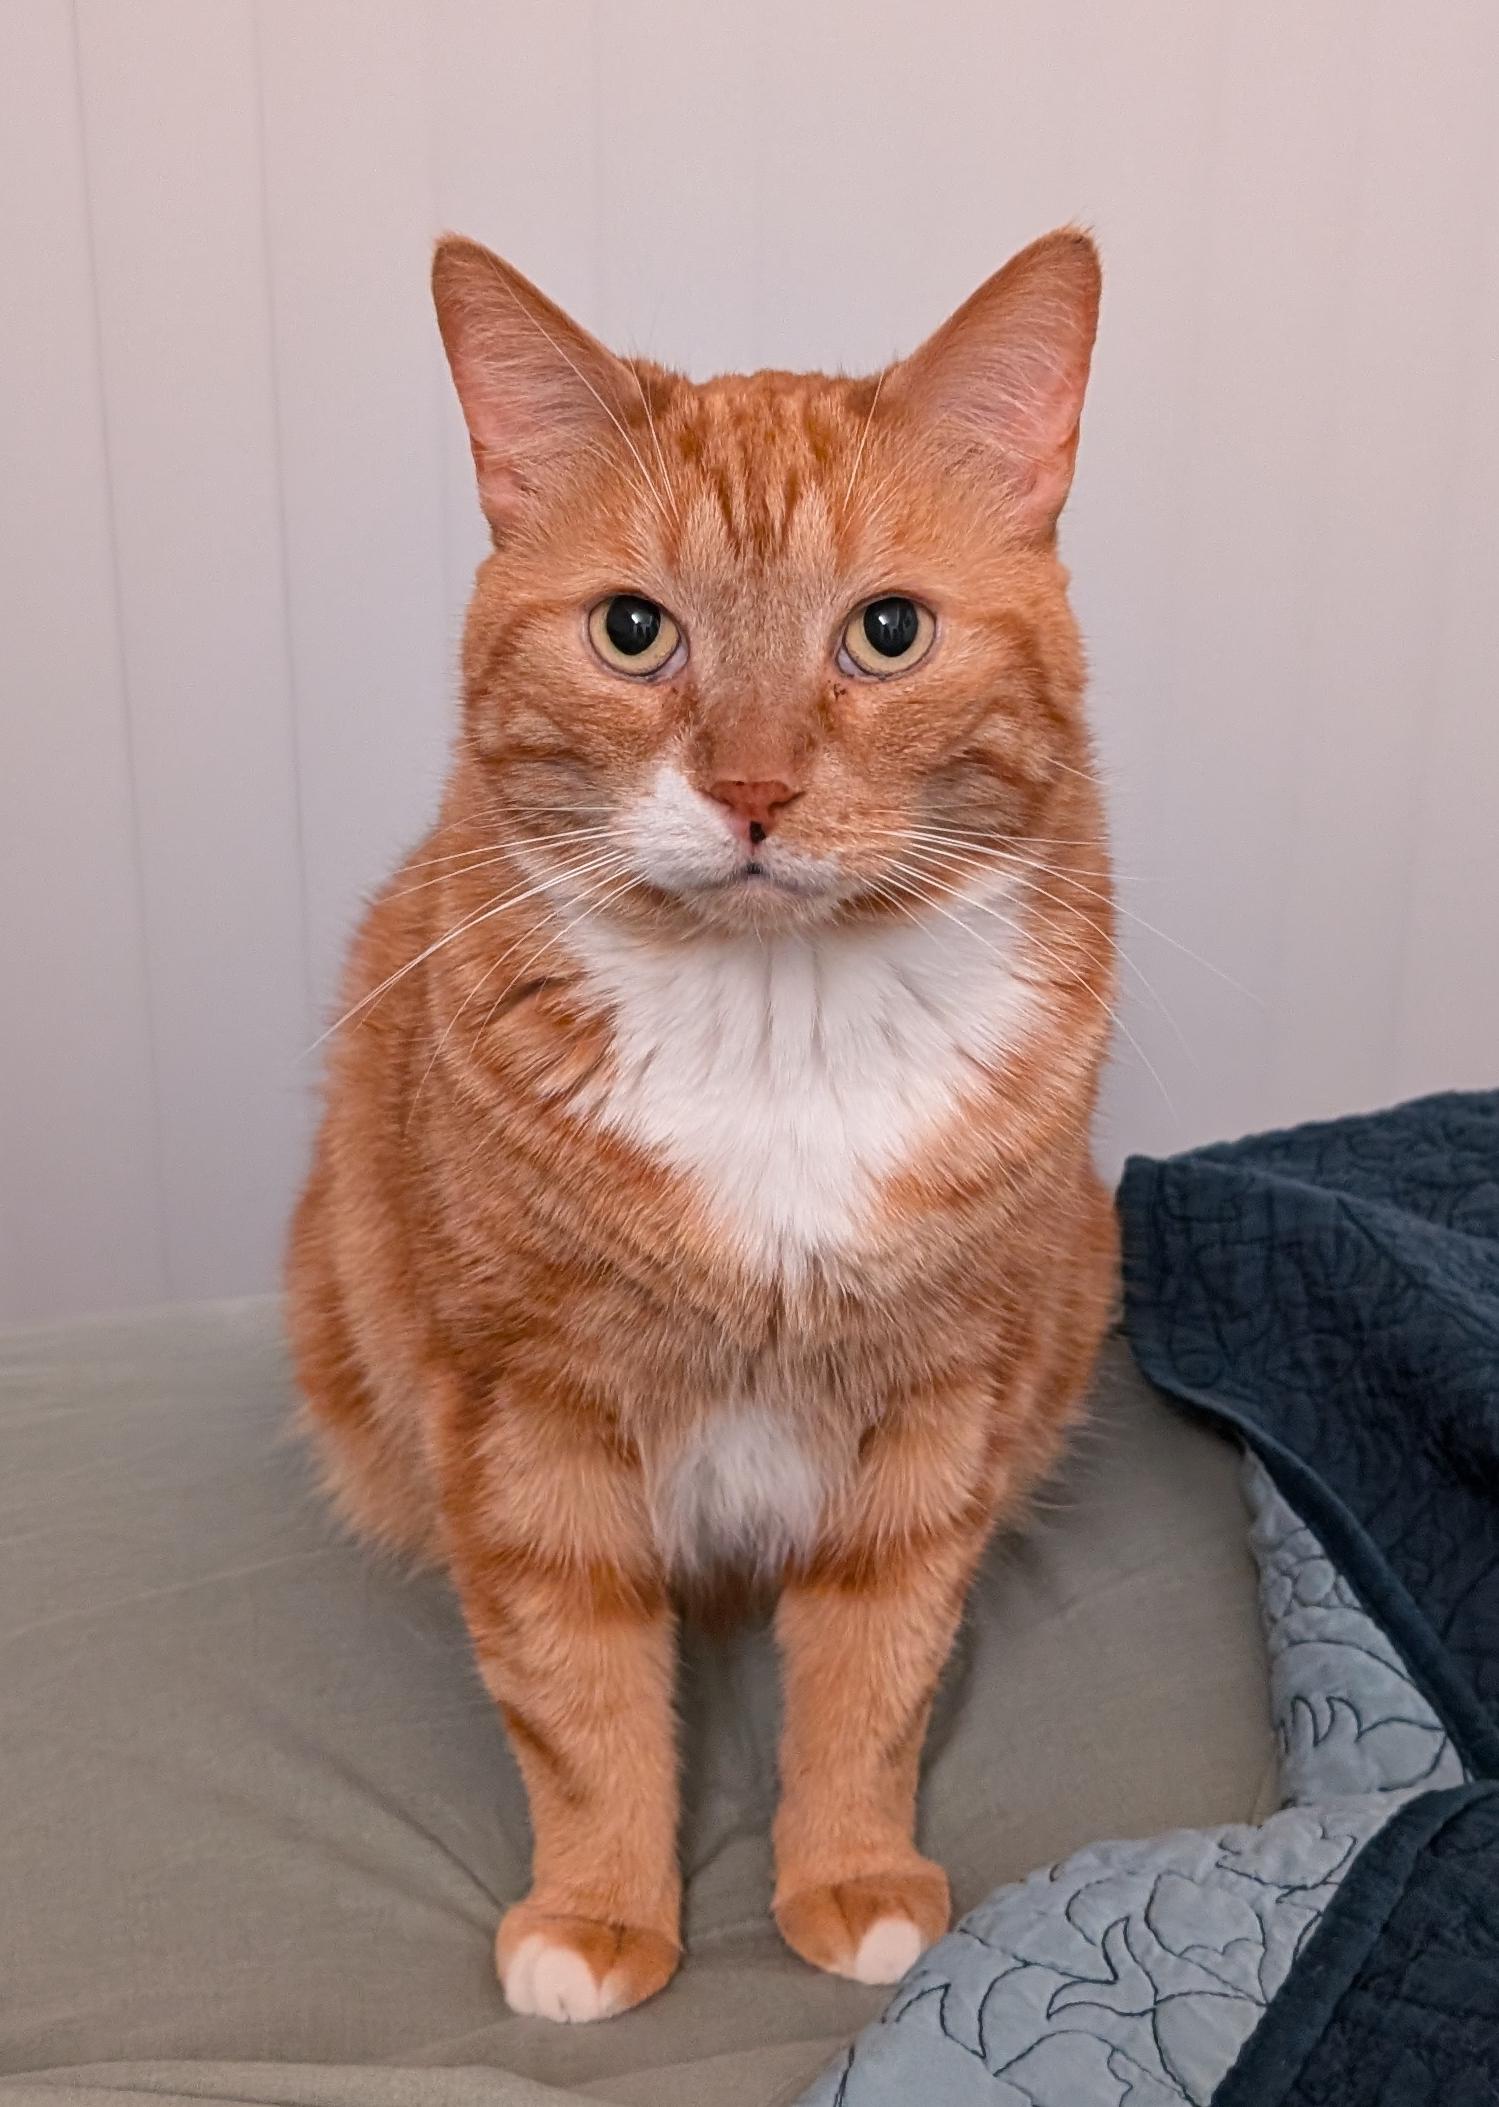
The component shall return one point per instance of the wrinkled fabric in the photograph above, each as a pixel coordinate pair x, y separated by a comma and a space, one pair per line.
1333, 1293
1133, 1971
1396, 2000
260, 1819
1332, 1296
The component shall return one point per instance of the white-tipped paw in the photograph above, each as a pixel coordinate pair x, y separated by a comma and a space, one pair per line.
548, 1980
889, 1947
870, 1927
572, 1969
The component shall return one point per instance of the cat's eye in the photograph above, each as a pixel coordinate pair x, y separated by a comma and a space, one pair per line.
887, 636
632, 634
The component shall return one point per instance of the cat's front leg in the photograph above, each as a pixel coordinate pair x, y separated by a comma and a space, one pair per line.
864, 1635
575, 1636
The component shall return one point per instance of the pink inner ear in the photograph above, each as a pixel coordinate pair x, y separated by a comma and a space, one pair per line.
1023, 400
534, 386
522, 412
527, 404
1050, 479
501, 489
1010, 369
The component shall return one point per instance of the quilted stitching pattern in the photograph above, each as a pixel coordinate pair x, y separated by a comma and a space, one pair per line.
1135, 1973
1335, 1291
1396, 2001
1132, 1973
1348, 1715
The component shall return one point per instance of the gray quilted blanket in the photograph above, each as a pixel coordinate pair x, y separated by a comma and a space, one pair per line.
1331, 1296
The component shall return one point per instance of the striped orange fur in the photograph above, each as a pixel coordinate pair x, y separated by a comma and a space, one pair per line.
704, 1196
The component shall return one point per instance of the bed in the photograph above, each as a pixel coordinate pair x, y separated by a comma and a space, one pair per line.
260, 1820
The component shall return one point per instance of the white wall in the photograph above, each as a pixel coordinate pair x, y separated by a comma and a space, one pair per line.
237, 522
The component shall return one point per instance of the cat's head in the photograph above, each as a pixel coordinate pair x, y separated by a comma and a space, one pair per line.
773, 648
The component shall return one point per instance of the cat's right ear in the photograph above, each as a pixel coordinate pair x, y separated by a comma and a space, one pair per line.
534, 385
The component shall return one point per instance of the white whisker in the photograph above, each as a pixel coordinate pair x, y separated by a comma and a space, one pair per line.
492, 848
510, 848
472, 921
1026, 875
555, 937
618, 864
650, 424
978, 848
853, 474
1029, 937
546, 335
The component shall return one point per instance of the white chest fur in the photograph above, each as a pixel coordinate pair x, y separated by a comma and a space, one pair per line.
743, 1492
787, 1076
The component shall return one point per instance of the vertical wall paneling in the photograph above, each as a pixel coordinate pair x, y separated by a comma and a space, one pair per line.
348, 217
1242, 544
1153, 80
687, 288
169, 101
1389, 488
1447, 1009
239, 524
513, 163
904, 159
79, 1198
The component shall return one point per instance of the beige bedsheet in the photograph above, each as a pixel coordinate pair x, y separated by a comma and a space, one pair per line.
258, 1821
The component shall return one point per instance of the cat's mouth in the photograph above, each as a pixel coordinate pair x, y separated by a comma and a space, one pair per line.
755, 876
757, 893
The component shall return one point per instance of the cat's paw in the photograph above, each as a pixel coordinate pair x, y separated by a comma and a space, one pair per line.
871, 1929
578, 1968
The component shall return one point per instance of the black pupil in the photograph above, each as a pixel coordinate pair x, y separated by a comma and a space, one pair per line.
891, 625
631, 624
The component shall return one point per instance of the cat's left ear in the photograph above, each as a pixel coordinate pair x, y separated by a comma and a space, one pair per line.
1007, 373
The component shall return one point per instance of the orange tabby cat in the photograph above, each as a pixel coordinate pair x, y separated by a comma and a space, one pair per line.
704, 1187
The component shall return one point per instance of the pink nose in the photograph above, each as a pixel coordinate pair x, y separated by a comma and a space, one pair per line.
755, 805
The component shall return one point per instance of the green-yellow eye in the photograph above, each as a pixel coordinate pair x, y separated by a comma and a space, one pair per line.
888, 636
632, 634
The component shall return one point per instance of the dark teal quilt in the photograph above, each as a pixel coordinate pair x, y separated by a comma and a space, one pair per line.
1333, 1293
1329, 1295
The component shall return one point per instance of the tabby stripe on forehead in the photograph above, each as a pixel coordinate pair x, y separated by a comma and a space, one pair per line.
728, 497
791, 496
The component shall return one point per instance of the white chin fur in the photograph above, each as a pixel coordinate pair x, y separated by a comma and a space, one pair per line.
678, 840
681, 843
787, 1072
